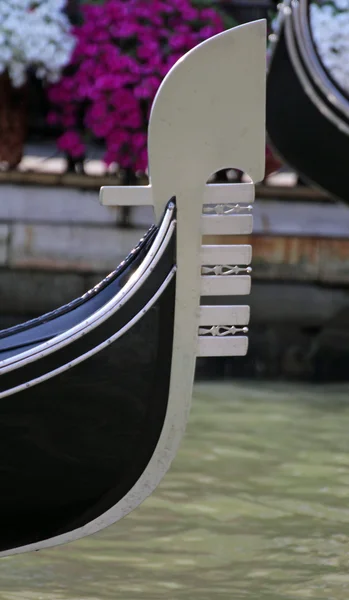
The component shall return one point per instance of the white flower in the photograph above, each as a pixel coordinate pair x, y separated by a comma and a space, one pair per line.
342, 4
17, 73
37, 34
330, 29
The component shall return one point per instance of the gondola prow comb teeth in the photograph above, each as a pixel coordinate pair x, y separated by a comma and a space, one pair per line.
209, 114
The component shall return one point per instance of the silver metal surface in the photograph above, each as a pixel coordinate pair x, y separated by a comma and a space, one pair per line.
224, 270
222, 330
227, 209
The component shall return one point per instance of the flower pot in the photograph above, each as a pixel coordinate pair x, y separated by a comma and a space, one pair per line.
13, 122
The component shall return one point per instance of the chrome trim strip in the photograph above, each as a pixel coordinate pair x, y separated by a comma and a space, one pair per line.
273, 38
96, 349
133, 284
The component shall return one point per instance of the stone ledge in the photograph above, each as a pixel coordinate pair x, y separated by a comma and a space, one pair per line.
69, 247
62, 205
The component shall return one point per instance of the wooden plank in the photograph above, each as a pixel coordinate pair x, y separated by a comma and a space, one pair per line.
227, 224
333, 264
225, 285
222, 346
293, 258
4, 237
224, 315
226, 254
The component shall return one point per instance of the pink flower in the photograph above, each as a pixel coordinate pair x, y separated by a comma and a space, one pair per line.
147, 88
107, 82
126, 29
173, 58
68, 120
133, 119
189, 13
147, 49
209, 14
71, 143
56, 94
141, 161
52, 118
207, 32
117, 138
125, 159
139, 140
181, 41
109, 157
124, 48
166, 7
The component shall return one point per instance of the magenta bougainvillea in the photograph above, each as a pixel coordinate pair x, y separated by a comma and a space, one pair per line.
124, 49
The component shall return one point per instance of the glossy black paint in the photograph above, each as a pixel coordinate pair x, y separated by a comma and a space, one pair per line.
311, 144
26, 335
73, 446
96, 336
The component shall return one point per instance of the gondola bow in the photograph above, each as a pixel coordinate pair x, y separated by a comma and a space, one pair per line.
94, 396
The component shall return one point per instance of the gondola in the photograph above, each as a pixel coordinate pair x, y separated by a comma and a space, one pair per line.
307, 112
95, 395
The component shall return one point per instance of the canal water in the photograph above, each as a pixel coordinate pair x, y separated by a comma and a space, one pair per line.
255, 506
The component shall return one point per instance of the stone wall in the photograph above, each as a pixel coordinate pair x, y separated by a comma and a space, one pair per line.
56, 243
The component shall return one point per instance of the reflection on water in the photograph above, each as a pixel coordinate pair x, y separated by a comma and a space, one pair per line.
256, 506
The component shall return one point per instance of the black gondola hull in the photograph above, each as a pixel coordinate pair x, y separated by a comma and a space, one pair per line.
79, 425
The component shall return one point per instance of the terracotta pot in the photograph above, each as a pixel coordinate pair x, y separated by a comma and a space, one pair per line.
13, 122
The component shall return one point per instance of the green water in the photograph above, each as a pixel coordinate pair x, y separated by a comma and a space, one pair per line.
256, 506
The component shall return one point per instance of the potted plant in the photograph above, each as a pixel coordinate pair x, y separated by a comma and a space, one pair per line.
35, 37
124, 49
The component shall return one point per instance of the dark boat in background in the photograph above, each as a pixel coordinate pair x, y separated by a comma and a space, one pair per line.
307, 112
95, 395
